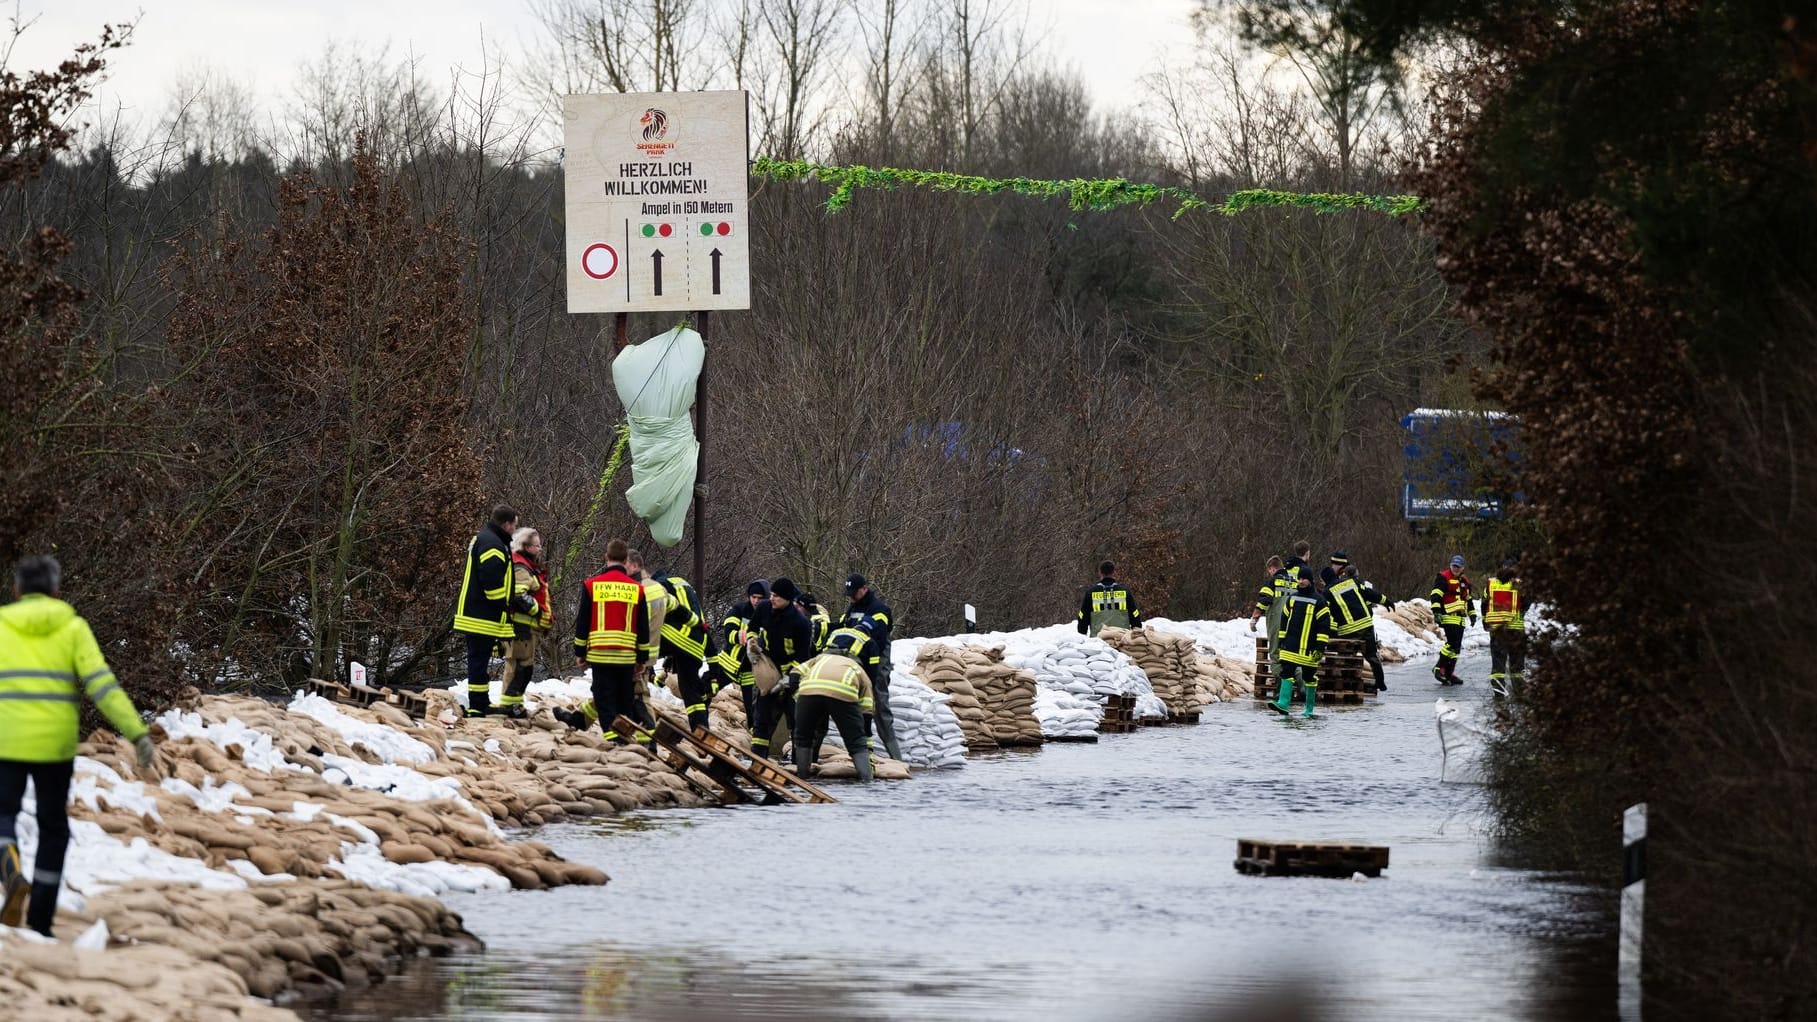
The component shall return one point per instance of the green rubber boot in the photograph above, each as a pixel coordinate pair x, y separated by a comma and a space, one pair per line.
1312, 696
1284, 698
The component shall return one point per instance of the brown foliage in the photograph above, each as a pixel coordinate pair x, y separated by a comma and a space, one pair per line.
333, 492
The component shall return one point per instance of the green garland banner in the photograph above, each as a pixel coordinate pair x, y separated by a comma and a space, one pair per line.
1080, 193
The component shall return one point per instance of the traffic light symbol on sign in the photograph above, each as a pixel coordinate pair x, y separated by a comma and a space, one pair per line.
710, 228
658, 230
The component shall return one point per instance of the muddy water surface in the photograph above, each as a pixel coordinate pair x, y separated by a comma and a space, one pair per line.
1072, 882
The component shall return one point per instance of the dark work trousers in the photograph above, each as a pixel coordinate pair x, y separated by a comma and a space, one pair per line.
479, 683
885, 718
615, 693
1507, 661
693, 686
811, 716
1447, 656
1308, 677
1372, 655
770, 709
50, 783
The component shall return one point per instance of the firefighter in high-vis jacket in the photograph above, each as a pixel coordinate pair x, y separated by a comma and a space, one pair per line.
1270, 600
835, 686
818, 619
788, 640
1353, 606
1507, 624
483, 612
49, 663
1305, 629
531, 618
1107, 604
609, 620
740, 624
1450, 607
685, 645
866, 610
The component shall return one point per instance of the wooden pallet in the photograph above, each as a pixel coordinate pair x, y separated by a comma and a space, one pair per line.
413, 703
711, 766
1072, 738
1309, 858
1119, 715
1190, 717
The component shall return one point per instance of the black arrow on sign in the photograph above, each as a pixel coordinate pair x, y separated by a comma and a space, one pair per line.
656, 271
715, 255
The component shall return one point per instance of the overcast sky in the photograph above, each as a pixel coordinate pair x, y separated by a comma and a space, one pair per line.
262, 42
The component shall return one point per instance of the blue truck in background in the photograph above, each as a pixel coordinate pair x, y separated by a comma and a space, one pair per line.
1446, 457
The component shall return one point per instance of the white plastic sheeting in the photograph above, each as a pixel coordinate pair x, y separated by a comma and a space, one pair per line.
1463, 742
655, 381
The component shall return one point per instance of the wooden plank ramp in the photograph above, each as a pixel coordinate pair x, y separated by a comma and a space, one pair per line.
711, 765
1309, 858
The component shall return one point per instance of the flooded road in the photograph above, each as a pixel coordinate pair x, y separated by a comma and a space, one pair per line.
1070, 882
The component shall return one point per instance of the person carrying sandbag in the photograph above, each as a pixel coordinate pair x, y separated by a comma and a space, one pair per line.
49, 661
743, 621
835, 686
787, 640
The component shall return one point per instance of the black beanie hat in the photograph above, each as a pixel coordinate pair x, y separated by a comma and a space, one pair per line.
785, 588
758, 587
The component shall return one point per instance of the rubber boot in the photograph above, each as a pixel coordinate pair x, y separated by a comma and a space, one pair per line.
862, 763
14, 887
1285, 698
43, 909
1312, 696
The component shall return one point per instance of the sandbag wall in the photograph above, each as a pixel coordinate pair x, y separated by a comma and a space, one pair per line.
1089, 669
993, 701
1170, 661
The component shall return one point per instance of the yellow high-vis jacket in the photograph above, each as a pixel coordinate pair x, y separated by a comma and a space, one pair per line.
48, 661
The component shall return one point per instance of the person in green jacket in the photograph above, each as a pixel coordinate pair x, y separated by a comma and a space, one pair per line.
48, 661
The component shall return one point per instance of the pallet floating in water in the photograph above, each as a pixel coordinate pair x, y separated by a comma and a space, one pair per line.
1309, 858
710, 765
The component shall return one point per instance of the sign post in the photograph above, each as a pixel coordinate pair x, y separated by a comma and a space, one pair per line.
657, 200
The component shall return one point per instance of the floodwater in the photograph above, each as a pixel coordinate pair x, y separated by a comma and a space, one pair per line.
1071, 882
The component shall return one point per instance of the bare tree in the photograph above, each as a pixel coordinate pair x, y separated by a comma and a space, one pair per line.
802, 38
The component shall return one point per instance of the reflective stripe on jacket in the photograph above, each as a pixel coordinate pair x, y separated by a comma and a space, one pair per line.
1350, 611
530, 579
49, 660
484, 607
1450, 598
837, 677
1305, 630
682, 630
1503, 610
612, 614
656, 599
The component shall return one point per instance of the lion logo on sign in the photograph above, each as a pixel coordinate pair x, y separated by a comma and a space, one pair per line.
656, 124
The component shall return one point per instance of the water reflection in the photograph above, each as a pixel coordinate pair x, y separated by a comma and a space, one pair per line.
1073, 882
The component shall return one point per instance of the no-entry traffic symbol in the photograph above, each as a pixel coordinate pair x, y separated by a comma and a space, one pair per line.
600, 261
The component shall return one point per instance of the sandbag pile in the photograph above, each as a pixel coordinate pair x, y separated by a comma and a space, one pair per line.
293, 823
48, 982
1089, 669
1222, 679
928, 730
309, 939
994, 701
1064, 715
1170, 661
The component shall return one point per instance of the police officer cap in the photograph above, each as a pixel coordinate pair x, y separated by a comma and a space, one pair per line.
1339, 557
854, 582
758, 587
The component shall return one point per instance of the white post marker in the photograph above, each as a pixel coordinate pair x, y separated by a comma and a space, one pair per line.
1633, 897
657, 193
971, 618
356, 672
